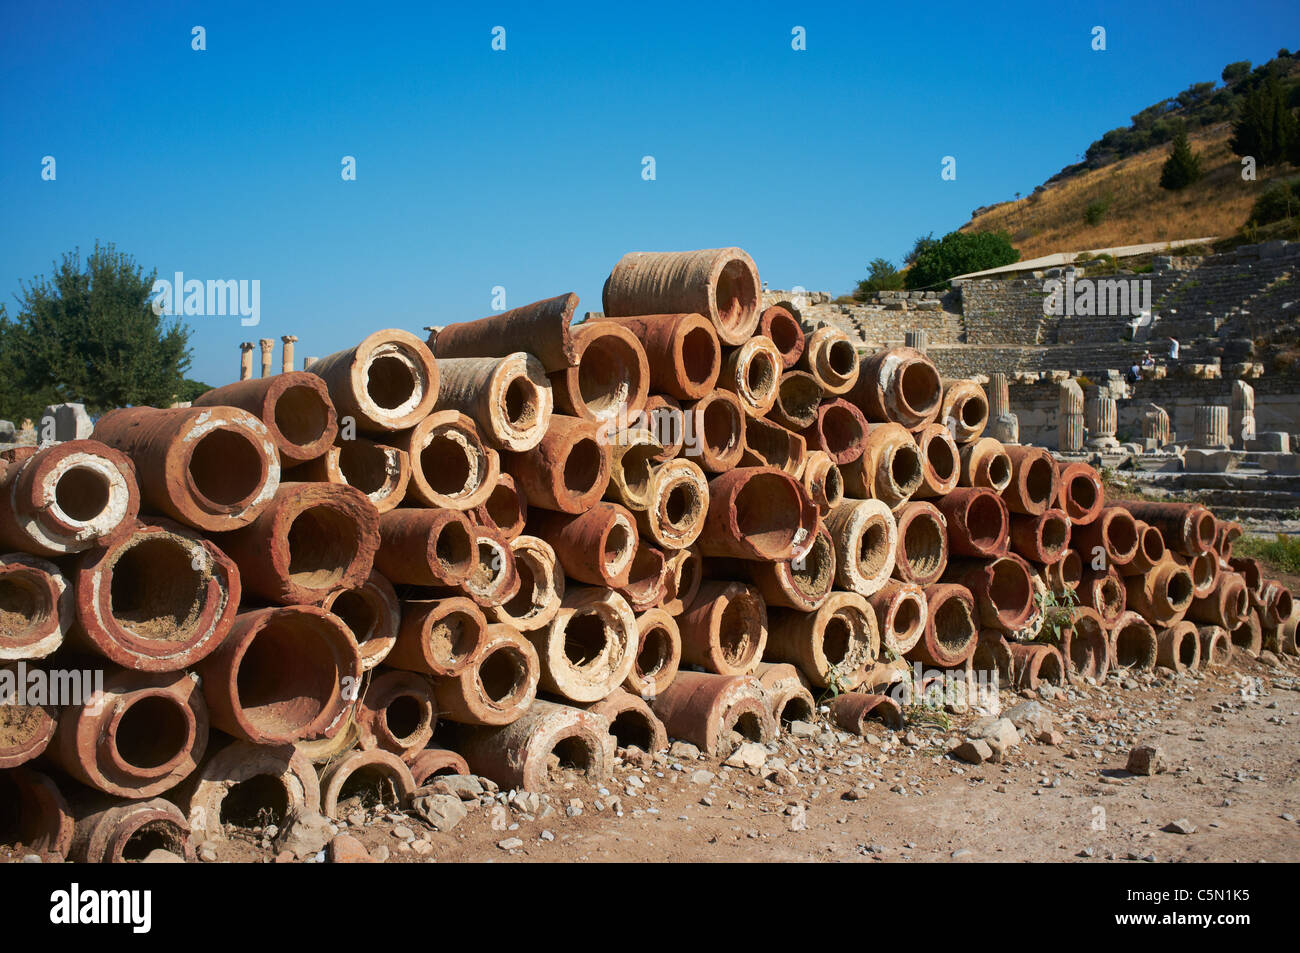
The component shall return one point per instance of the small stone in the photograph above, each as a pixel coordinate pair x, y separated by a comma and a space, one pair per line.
380, 854
973, 752
702, 777
1180, 826
402, 832
421, 847
510, 843
574, 808
750, 756
802, 729
960, 853
684, 750
32, 859
305, 835
1054, 738
855, 794
357, 818
207, 854
546, 836
346, 849
1146, 760
160, 856
442, 811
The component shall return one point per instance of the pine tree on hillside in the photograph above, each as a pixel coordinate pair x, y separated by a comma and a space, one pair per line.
1265, 128
1183, 167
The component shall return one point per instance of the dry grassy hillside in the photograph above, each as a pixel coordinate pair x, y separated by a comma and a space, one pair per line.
1140, 211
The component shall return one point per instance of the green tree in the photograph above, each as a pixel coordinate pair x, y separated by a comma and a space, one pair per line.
924, 243
959, 253
1265, 127
89, 334
883, 277
1235, 72
1183, 167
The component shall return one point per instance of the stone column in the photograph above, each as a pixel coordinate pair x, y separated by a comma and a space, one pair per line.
1155, 427
268, 347
917, 340
245, 360
1003, 424
1241, 413
1069, 417
1210, 428
307, 362
286, 360
1101, 417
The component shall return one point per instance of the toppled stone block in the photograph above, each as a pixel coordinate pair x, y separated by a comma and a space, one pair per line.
70, 422
975, 751
1146, 760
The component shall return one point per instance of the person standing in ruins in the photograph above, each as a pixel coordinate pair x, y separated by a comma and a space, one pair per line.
1173, 349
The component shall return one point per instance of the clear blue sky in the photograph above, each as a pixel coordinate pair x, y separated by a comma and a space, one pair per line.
522, 168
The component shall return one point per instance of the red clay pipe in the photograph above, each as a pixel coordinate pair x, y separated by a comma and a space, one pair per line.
802, 584
66, 497
725, 629
1103, 591
1086, 645
771, 445
1080, 495
1112, 538
834, 646
38, 602
901, 613
788, 697
611, 378
1188, 528
1132, 642
541, 586
632, 723
857, 712
682, 576
568, 471
43, 824
283, 675
381, 472
494, 580
964, 409
706, 709
977, 522
126, 833
779, 325
387, 382
426, 547
1043, 538
922, 552
1035, 664
1151, 551
830, 357
545, 325
949, 637
898, 384
498, 684
757, 513
1034, 483
720, 283
714, 431
27, 729
752, 372
683, 352
890, 468
1226, 606
1002, 587
213, 468
139, 736
450, 466
646, 584
282, 775
1179, 647
158, 599
658, 654
295, 406
521, 754
594, 547
434, 761
439, 637
504, 510
371, 612
798, 396
508, 398
940, 461
823, 481
311, 539
398, 713
984, 462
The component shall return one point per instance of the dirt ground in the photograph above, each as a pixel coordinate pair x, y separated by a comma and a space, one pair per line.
1230, 740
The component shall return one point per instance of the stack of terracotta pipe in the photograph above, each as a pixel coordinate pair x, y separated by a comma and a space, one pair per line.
528, 543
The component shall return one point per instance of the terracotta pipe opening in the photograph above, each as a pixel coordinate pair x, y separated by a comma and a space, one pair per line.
762, 373
1152, 545
1039, 480
1110, 597
798, 397
287, 675
974, 411
302, 415
721, 425
737, 631
1178, 590
323, 544
451, 467
608, 373
573, 754
794, 708
815, 574
631, 728
493, 566
920, 388
683, 506
364, 465
637, 464
941, 458
225, 468
655, 654
21, 820
1049, 669
454, 549
1242, 601
985, 521
82, 493
1188, 650
155, 835
256, 802
833, 486
762, 519
503, 507
953, 625
586, 638
1011, 590
837, 636
503, 673
908, 619
1283, 604
700, 357
618, 547
521, 403
1055, 535
905, 467
1121, 535
1081, 493
842, 431
1071, 569
873, 548
390, 382
1087, 631
842, 357
156, 592
361, 611
23, 606
784, 330
733, 296
406, 715
1205, 531
153, 731
748, 725
371, 784
1134, 646
454, 637
924, 544
583, 466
